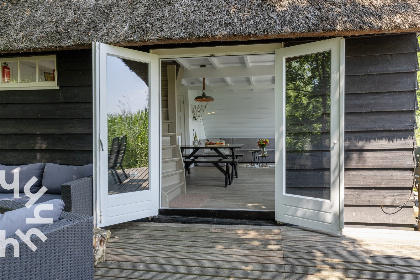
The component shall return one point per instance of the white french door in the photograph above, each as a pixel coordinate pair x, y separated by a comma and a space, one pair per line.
309, 135
126, 134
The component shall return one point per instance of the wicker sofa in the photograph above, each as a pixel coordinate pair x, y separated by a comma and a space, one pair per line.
77, 194
66, 254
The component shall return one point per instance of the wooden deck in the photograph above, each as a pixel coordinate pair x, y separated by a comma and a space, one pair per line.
253, 189
198, 251
138, 180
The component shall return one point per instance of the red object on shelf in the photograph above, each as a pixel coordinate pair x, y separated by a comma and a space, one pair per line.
5, 73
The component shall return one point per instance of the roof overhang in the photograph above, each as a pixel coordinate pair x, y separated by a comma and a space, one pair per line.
28, 26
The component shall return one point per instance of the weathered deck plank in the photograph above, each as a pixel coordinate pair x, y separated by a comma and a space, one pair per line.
197, 251
138, 180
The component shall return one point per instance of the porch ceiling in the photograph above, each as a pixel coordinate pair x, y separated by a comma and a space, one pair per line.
243, 91
229, 73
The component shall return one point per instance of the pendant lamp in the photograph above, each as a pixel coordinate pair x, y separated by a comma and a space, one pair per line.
203, 97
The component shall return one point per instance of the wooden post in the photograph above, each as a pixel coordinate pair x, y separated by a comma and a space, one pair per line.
100, 238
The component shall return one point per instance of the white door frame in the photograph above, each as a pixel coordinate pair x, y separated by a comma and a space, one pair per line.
339, 56
314, 213
132, 205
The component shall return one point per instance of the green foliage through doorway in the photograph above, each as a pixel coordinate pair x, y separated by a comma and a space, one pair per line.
136, 127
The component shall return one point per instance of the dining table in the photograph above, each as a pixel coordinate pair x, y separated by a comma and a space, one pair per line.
222, 154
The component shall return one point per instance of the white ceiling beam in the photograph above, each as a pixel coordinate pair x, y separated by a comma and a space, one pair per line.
196, 83
229, 72
216, 64
248, 64
207, 83
184, 63
214, 61
246, 60
242, 64
242, 92
233, 87
228, 81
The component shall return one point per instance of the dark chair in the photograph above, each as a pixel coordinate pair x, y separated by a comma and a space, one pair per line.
116, 158
113, 157
120, 157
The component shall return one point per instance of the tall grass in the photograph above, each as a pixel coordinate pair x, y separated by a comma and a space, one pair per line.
136, 127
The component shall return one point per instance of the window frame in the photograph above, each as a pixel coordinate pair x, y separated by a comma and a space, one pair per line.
31, 85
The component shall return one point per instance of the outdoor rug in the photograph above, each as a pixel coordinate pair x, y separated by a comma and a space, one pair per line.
189, 200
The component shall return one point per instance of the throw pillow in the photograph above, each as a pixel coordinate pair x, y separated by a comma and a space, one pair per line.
55, 175
26, 172
11, 221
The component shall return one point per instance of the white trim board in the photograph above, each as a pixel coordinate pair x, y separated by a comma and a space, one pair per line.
217, 51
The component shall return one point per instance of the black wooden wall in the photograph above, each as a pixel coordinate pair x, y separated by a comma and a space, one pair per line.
50, 125
380, 109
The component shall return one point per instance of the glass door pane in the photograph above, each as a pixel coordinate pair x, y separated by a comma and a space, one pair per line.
128, 125
308, 103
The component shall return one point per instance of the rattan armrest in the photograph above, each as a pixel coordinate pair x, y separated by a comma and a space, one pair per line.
78, 196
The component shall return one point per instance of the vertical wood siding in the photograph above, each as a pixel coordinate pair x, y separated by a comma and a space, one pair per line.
50, 125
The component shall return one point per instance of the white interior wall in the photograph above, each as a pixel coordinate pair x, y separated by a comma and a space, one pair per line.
245, 114
243, 89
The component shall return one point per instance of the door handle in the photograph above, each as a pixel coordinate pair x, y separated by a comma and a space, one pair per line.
101, 144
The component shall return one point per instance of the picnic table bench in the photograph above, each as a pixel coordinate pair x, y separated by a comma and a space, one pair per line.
217, 159
216, 162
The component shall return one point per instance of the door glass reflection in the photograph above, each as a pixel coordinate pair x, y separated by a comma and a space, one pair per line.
308, 86
128, 125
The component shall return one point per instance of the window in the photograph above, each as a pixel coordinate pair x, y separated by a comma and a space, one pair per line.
35, 72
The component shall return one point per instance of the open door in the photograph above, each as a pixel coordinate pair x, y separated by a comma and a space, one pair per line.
126, 134
309, 135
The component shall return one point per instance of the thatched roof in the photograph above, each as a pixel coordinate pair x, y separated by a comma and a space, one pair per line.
50, 24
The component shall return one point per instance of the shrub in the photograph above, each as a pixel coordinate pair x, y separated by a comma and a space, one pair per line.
136, 127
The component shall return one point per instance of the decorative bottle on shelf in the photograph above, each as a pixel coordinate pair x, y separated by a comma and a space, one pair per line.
195, 142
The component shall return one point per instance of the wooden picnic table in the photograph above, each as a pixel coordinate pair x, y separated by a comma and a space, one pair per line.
218, 158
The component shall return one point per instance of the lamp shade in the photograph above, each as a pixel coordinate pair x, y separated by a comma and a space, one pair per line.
204, 98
